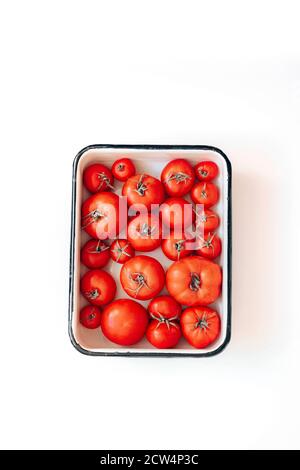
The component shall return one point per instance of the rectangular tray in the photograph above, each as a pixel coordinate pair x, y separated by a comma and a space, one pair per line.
147, 159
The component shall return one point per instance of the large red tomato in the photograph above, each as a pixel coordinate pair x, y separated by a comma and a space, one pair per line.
142, 277
194, 281
143, 233
163, 334
124, 322
90, 317
210, 246
205, 193
164, 307
178, 177
143, 189
200, 326
94, 254
121, 250
206, 171
177, 248
98, 177
98, 287
100, 215
123, 169
177, 213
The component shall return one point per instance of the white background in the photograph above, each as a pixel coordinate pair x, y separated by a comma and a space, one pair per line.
170, 72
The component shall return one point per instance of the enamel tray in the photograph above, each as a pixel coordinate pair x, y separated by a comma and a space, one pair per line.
147, 159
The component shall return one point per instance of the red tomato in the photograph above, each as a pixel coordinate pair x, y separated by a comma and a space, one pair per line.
210, 246
194, 281
205, 193
143, 233
177, 213
206, 171
164, 307
178, 177
94, 254
90, 317
100, 215
142, 277
163, 334
200, 326
98, 287
98, 177
207, 221
121, 250
176, 248
143, 189
124, 322
123, 169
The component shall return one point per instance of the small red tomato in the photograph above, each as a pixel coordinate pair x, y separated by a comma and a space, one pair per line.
97, 178
123, 169
177, 213
176, 248
144, 190
205, 193
124, 322
121, 250
94, 254
210, 246
200, 326
163, 334
90, 317
98, 287
207, 221
206, 171
143, 233
142, 277
100, 215
164, 306
178, 177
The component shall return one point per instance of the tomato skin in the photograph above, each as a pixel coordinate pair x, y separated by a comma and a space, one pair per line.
142, 277
164, 306
206, 171
97, 178
176, 248
123, 169
205, 193
98, 287
90, 317
207, 221
94, 254
143, 189
194, 281
210, 246
124, 322
143, 234
121, 250
100, 215
178, 177
175, 213
163, 336
200, 326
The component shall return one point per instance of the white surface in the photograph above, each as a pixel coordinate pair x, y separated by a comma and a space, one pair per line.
221, 73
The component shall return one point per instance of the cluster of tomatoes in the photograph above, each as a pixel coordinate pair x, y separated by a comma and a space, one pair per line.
193, 280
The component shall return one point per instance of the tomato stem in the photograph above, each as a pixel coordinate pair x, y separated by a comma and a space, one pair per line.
179, 177
104, 179
141, 188
195, 282
140, 280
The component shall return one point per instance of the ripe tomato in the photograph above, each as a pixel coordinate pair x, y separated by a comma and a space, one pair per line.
124, 322
143, 233
206, 171
142, 277
163, 334
123, 169
143, 189
164, 307
121, 250
98, 287
178, 177
205, 193
100, 215
177, 213
176, 248
98, 177
207, 221
200, 326
94, 254
90, 317
210, 246
194, 281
